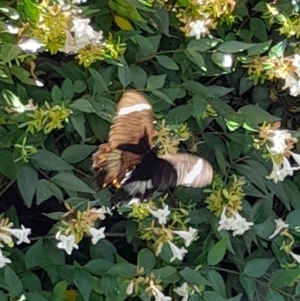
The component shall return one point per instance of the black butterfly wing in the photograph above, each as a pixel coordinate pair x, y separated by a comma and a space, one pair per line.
152, 174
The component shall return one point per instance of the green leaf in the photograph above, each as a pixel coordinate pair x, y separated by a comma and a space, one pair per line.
67, 89
146, 260
45, 190
162, 96
84, 282
13, 282
124, 73
3, 296
70, 182
284, 277
278, 50
76, 153
193, 277
167, 62
293, 218
262, 209
79, 86
27, 179
48, 161
98, 266
273, 295
124, 270
9, 52
256, 268
196, 58
222, 163
248, 284
196, 87
212, 296
167, 274
98, 79
234, 46
30, 10
78, 122
180, 113
201, 45
7, 167
258, 27
108, 285
56, 94
217, 252
156, 82
259, 48
82, 105
217, 282
34, 296
139, 76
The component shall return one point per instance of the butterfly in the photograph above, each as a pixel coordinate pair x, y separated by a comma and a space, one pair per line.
130, 163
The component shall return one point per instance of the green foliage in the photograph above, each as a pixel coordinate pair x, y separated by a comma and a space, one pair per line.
56, 108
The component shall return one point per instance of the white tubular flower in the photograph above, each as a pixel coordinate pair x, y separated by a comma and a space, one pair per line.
130, 287
280, 171
177, 253
292, 83
197, 29
225, 223
296, 257
96, 234
161, 214
100, 212
188, 236
278, 141
20, 234
159, 296
3, 260
30, 45
182, 291
240, 225
280, 225
67, 243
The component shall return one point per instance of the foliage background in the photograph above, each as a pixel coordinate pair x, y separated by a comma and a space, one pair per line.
187, 82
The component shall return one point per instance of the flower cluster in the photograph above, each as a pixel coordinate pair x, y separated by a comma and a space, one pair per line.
6, 238
284, 68
60, 29
76, 223
153, 226
200, 16
169, 136
47, 118
278, 144
235, 222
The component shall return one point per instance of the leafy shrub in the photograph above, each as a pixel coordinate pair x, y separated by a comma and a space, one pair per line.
223, 79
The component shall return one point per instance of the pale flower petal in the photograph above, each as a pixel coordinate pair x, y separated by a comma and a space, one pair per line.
67, 243
225, 222
6, 238
3, 260
159, 296
296, 257
20, 234
280, 225
177, 253
188, 236
130, 287
96, 234
161, 214
198, 28
240, 225
182, 291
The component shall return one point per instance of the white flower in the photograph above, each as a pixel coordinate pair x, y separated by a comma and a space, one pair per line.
67, 243
161, 214
278, 140
280, 225
197, 28
177, 253
188, 236
240, 225
100, 212
159, 296
182, 291
281, 170
225, 223
3, 260
20, 234
296, 257
292, 83
130, 287
30, 45
97, 234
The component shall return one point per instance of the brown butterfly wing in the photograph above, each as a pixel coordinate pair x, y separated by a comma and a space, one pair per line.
192, 171
134, 118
